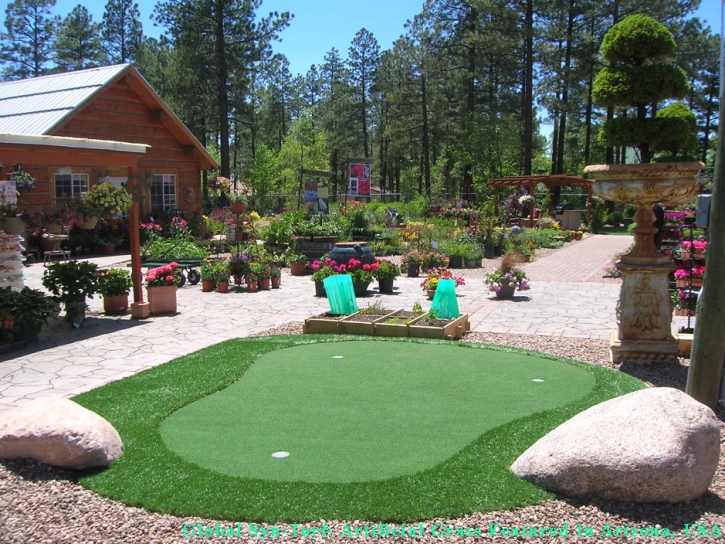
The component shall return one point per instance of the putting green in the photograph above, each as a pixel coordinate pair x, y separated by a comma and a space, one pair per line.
364, 410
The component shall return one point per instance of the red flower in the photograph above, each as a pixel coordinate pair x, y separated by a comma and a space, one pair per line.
170, 279
366, 267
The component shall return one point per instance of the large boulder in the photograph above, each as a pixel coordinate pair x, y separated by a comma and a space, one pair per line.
59, 432
654, 445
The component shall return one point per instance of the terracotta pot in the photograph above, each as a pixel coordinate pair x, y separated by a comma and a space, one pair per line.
237, 207
223, 286
90, 224
276, 282
298, 269
684, 283
431, 293
683, 312
207, 286
162, 299
115, 305
13, 225
8, 324
252, 287
265, 284
109, 249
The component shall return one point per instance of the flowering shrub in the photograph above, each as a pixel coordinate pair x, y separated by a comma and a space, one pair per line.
384, 269
693, 246
163, 275
684, 300
434, 260
323, 269
513, 277
684, 273
361, 273
436, 274
412, 259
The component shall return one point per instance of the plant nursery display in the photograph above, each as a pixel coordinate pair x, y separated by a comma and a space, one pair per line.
70, 283
161, 285
115, 285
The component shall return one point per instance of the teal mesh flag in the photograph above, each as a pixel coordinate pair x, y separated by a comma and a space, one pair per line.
445, 304
340, 294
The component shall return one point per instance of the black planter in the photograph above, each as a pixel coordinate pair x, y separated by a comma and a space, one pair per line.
489, 252
385, 285
413, 271
455, 261
497, 250
320, 289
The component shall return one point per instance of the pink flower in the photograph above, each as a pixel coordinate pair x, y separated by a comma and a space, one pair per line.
374, 266
341, 268
366, 267
151, 275
173, 266
169, 279
315, 266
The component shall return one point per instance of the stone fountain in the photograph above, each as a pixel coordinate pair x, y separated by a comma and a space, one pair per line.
644, 311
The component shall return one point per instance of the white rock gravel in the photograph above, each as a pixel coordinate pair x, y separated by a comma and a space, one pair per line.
41, 504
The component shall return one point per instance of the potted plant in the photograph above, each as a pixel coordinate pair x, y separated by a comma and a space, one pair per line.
24, 182
361, 275
115, 285
70, 283
208, 275
222, 272
685, 278
322, 269
238, 266
161, 286
109, 243
385, 272
30, 310
276, 275
253, 277
106, 199
237, 202
684, 302
298, 263
12, 221
505, 280
695, 249
411, 262
430, 284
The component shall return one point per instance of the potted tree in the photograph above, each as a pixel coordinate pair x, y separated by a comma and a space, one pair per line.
70, 283
115, 285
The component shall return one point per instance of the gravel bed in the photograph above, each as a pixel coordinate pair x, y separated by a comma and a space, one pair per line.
44, 504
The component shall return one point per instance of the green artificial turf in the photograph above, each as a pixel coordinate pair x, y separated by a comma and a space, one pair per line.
366, 410
474, 478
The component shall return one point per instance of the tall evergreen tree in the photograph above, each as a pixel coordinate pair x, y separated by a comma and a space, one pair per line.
235, 41
27, 46
122, 31
364, 56
78, 45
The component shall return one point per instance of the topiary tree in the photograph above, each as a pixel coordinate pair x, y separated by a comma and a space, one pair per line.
639, 77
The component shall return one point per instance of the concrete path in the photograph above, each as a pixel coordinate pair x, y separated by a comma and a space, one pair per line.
65, 362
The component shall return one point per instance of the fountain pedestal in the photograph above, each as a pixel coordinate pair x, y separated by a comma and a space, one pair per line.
644, 311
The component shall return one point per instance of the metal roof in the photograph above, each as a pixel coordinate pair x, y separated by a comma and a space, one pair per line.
35, 106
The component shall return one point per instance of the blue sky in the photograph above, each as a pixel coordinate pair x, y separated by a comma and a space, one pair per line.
320, 25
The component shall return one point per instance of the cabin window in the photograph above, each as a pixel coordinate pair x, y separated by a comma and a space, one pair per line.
70, 185
163, 193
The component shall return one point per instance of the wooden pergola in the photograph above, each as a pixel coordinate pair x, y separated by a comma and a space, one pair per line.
550, 182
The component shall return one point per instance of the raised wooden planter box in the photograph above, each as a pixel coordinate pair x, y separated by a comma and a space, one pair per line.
323, 325
350, 325
382, 328
452, 330
314, 247
347, 325
684, 341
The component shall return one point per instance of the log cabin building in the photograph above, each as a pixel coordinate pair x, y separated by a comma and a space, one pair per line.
75, 129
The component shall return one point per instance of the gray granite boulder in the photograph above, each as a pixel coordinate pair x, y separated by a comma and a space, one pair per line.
59, 432
654, 445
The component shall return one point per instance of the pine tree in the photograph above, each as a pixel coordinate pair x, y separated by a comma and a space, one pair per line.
78, 45
364, 56
122, 31
27, 47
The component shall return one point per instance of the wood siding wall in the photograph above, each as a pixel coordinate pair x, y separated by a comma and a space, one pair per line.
119, 114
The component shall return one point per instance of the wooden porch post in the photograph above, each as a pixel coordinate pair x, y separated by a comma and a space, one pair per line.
589, 204
139, 308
